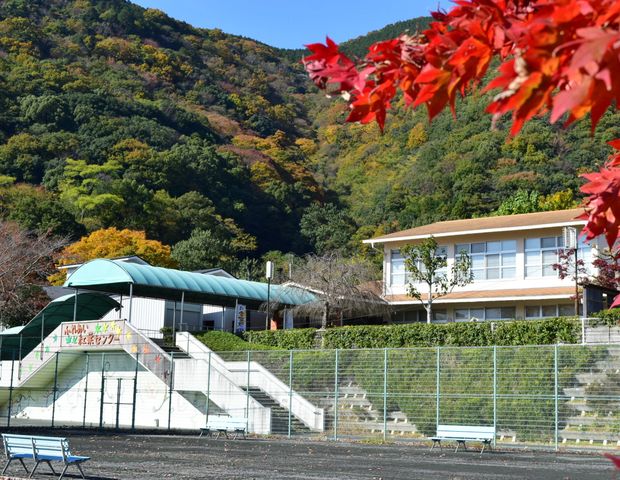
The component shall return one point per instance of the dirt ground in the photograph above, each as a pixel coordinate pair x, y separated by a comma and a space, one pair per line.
183, 457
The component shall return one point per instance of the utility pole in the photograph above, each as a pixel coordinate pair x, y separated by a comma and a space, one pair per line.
269, 275
569, 235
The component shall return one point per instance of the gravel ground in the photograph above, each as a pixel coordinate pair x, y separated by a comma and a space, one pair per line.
144, 457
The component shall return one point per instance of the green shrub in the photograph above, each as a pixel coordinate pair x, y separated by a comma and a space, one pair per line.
295, 339
471, 334
610, 317
537, 332
475, 334
224, 341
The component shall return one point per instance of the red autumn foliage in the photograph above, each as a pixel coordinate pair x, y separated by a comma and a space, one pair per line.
557, 56
560, 56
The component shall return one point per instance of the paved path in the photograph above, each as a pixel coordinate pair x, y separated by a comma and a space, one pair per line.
182, 457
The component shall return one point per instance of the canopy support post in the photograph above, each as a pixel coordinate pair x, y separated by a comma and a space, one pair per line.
42, 332
77, 290
130, 302
174, 332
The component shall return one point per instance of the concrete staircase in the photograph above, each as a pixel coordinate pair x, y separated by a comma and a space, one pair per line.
358, 415
279, 415
595, 417
267, 392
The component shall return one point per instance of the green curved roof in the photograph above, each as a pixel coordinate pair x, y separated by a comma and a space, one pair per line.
156, 282
90, 306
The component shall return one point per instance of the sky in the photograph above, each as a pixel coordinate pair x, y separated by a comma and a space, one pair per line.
293, 23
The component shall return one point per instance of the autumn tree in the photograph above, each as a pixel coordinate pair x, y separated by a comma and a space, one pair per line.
26, 258
111, 243
427, 264
560, 57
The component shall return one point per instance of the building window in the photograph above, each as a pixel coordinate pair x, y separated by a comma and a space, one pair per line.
491, 260
397, 269
549, 311
467, 314
503, 313
542, 253
499, 313
398, 273
439, 315
540, 256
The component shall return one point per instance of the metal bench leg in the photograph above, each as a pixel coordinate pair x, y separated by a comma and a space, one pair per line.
34, 469
21, 460
64, 470
458, 443
80, 469
7, 465
51, 468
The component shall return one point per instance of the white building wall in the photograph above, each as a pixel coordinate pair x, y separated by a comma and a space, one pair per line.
147, 314
519, 281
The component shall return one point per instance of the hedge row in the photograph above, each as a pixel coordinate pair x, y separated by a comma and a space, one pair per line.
223, 342
295, 339
526, 332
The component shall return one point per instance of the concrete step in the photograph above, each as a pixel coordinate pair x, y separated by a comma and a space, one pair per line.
279, 415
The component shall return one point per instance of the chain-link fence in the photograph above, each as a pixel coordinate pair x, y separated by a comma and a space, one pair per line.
564, 396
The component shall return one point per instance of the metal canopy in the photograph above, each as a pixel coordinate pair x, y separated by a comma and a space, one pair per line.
109, 276
20, 341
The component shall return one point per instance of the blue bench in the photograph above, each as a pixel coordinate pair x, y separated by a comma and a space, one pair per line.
41, 450
463, 433
222, 424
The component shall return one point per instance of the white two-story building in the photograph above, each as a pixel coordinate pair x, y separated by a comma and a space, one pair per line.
512, 261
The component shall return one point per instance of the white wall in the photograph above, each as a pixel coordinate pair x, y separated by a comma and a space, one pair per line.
520, 281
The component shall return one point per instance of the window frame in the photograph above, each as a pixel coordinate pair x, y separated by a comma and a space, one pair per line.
502, 253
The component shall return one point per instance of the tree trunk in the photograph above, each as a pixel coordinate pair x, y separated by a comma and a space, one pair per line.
429, 305
325, 316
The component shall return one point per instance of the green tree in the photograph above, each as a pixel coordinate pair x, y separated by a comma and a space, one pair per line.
327, 227
205, 249
427, 265
521, 202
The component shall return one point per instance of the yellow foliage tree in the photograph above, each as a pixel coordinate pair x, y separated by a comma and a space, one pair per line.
113, 243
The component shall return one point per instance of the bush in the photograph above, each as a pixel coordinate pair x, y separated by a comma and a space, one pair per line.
295, 339
610, 318
224, 341
471, 334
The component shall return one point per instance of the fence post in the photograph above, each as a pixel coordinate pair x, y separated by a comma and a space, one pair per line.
336, 397
86, 390
385, 366
170, 390
55, 389
583, 330
290, 391
209, 388
247, 396
494, 394
102, 390
555, 395
135, 394
8, 418
437, 387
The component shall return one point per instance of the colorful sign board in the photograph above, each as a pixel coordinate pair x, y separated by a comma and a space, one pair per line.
240, 318
94, 334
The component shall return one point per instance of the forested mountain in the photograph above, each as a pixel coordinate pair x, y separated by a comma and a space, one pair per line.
115, 115
112, 115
